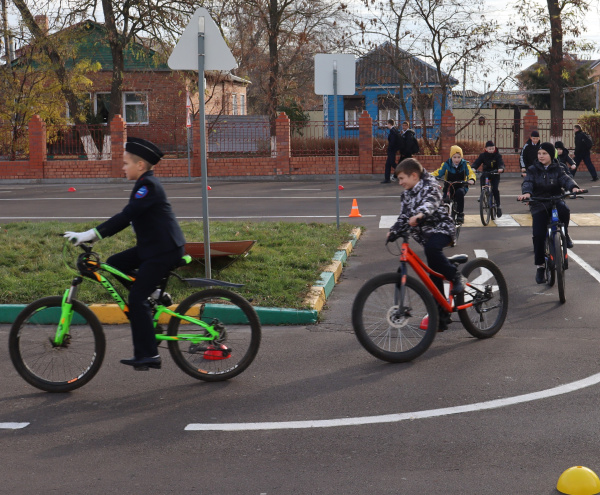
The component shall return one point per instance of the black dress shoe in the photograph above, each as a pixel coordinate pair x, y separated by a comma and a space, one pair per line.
540, 275
569, 242
498, 212
143, 364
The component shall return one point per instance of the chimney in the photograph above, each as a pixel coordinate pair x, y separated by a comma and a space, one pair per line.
42, 22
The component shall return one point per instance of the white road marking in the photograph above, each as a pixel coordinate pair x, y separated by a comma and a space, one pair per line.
386, 221
187, 218
300, 189
577, 243
506, 221
583, 264
12, 426
394, 418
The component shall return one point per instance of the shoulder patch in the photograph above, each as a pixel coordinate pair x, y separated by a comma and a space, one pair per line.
141, 192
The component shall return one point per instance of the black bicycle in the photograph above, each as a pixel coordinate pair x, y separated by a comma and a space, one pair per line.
556, 254
451, 204
488, 208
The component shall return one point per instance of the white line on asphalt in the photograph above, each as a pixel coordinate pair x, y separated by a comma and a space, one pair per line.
393, 418
185, 218
12, 426
586, 242
300, 189
583, 264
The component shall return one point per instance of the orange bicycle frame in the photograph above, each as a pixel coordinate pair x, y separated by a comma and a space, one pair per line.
407, 255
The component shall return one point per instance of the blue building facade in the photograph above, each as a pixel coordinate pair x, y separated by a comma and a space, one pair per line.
378, 88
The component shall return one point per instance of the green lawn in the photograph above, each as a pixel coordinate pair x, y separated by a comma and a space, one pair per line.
281, 267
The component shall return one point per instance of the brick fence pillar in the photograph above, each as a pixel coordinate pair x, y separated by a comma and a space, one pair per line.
530, 123
284, 145
447, 134
118, 138
365, 143
37, 146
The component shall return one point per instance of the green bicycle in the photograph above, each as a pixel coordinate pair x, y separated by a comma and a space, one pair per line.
57, 343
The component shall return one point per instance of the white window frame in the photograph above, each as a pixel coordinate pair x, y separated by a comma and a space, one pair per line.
386, 114
234, 104
242, 104
351, 118
125, 103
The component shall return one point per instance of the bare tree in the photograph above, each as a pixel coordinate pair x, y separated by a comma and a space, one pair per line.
542, 31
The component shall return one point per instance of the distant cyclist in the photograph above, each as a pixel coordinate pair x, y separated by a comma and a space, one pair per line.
456, 169
562, 154
546, 178
529, 152
492, 161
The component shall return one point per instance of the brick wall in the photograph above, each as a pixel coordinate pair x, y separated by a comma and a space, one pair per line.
282, 164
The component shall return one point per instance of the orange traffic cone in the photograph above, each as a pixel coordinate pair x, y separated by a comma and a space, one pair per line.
354, 213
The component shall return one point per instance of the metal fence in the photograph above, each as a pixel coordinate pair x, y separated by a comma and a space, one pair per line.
171, 140
73, 142
238, 138
317, 138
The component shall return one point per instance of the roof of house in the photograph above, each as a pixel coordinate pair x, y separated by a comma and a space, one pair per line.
384, 64
468, 93
578, 63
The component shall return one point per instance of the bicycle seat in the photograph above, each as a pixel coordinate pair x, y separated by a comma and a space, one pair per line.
458, 259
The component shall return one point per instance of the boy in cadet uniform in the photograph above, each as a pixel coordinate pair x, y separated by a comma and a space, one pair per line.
159, 245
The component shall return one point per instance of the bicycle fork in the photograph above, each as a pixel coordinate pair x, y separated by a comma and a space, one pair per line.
66, 314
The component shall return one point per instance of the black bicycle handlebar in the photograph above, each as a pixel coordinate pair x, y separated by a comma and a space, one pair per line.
539, 199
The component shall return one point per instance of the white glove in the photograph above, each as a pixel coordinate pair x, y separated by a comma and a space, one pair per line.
79, 237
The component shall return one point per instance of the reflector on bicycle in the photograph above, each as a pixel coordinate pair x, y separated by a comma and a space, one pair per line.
216, 353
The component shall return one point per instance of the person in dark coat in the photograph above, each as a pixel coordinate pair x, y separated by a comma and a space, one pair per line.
546, 178
393, 147
409, 145
159, 245
491, 161
562, 155
583, 147
529, 152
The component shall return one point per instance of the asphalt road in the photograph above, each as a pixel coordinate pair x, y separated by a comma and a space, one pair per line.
125, 431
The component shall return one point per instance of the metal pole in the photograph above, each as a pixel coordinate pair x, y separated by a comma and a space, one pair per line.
335, 138
203, 167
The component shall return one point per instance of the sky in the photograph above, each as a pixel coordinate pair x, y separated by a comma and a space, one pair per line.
501, 11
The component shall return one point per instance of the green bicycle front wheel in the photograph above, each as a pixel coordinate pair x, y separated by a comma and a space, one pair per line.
51, 367
225, 355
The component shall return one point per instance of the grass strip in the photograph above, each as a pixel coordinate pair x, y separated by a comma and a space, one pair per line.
278, 272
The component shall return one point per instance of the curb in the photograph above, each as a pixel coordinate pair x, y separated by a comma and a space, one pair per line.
322, 288
110, 314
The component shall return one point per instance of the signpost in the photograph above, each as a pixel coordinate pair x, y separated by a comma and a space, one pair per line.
328, 69
214, 55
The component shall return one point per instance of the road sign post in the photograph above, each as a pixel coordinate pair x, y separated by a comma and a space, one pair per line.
328, 67
214, 55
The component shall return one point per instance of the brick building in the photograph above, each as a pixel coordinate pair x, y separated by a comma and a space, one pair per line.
155, 99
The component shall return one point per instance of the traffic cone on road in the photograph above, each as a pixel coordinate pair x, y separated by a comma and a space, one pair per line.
354, 213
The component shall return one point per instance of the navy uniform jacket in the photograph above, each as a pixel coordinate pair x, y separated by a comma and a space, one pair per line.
150, 214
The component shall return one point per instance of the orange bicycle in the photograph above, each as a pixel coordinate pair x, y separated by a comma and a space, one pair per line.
395, 316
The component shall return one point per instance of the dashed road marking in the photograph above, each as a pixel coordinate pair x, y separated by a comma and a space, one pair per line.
12, 426
506, 220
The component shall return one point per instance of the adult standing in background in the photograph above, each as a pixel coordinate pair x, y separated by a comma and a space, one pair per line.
393, 147
409, 145
583, 147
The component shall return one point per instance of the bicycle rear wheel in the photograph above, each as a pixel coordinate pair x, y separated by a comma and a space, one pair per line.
56, 368
550, 262
392, 330
488, 292
228, 354
484, 206
558, 263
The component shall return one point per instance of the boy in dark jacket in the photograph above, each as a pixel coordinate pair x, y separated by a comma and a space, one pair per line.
546, 178
492, 161
456, 169
409, 145
159, 245
529, 152
562, 155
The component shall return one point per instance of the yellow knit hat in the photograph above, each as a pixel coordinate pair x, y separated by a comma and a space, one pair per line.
456, 149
